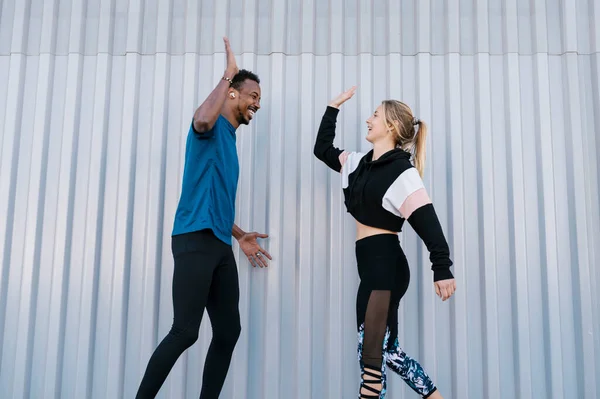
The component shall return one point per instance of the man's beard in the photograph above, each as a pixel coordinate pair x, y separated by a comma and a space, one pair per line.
242, 118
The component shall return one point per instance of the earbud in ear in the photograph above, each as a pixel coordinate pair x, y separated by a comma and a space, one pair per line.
232, 95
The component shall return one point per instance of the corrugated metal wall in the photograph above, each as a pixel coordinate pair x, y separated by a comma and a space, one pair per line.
95, 100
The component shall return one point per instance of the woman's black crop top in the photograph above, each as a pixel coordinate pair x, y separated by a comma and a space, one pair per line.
385, 192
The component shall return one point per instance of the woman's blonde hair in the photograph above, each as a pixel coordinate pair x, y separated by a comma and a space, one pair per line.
409, 132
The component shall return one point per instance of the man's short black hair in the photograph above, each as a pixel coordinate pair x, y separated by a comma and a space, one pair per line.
241, 77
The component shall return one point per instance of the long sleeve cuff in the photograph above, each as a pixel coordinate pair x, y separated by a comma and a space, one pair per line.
442, 274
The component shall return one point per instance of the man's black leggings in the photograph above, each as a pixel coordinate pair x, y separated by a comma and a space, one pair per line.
205, 275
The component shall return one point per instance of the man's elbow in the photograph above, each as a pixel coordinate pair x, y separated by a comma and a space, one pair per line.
201, 126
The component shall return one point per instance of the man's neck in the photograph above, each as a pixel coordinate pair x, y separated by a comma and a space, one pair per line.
228, 114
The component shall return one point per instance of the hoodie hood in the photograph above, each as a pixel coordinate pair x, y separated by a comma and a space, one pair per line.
390, 156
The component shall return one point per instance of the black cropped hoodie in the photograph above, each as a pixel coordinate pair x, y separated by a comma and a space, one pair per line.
366, 189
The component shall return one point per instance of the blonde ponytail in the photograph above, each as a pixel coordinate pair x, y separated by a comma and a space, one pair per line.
410, 132
420, 147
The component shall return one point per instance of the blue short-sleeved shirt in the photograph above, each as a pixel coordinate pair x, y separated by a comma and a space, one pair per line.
210, 179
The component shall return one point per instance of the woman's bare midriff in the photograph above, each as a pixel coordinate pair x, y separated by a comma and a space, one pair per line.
363, 231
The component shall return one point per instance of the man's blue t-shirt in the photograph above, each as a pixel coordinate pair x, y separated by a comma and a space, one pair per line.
210, 178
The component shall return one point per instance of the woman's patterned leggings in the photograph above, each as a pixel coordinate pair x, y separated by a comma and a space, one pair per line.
384, 277
398, 361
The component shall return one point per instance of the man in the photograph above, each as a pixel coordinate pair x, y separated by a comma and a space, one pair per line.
205, 273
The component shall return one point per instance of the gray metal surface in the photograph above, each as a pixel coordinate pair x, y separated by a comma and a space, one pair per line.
95, 102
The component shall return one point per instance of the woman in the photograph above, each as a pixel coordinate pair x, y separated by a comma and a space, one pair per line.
382, 189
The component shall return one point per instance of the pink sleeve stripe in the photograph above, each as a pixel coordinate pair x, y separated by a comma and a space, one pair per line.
413, 202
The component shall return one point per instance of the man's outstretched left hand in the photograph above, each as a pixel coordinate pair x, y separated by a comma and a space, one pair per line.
255, 253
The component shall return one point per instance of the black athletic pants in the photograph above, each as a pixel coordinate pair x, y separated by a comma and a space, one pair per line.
205, 276
384, 279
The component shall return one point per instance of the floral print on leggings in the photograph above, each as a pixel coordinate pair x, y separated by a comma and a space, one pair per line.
398, 361
409, 370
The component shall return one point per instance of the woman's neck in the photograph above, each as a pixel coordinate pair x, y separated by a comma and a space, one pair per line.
381, 147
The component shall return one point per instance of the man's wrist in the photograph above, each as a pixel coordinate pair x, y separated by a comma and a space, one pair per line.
229, 74
237, 232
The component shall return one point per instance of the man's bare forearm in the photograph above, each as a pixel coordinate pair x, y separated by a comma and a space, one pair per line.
236, 232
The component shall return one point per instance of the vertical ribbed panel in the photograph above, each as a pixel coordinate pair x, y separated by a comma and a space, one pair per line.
95, 103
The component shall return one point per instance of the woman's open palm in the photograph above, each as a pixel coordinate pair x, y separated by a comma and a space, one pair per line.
342, 98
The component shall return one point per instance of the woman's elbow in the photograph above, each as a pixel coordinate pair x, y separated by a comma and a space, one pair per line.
319, 151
